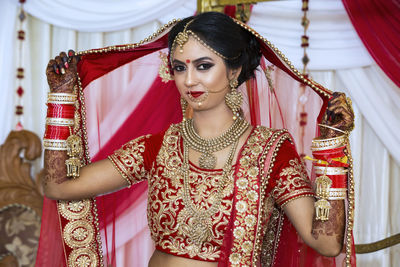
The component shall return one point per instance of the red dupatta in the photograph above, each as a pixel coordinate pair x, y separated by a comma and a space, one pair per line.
121, 97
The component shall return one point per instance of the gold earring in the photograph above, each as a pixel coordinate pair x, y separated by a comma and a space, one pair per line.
184, 105
234, 98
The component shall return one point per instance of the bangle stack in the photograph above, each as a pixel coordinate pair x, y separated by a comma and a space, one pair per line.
60, 119
331, 182
59, 134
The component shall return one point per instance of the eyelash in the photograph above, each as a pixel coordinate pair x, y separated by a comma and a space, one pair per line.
201, 67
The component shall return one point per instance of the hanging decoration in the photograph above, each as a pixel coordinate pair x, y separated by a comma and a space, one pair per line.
19, 108
302, 100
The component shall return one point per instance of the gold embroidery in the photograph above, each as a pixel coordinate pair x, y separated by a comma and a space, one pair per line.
271, 236
247, 197
293, 181
129, 160
169, 223
79, 233
83, 257
73, 210
276, 140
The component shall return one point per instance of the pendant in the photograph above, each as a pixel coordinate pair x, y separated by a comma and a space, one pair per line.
196, 227
207, 161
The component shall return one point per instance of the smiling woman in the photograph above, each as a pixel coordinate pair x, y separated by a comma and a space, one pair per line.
222, 191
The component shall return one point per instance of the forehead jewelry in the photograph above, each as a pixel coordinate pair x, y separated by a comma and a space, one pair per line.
182, 38
188, 61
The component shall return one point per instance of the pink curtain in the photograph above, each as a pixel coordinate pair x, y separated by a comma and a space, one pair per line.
377, 23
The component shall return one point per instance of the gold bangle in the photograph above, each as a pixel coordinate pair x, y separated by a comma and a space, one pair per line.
60, 121
61, 98
330, 170
333, 128
329, 143
53, 144
337, 193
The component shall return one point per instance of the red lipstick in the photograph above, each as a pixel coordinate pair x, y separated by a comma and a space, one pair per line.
195, 94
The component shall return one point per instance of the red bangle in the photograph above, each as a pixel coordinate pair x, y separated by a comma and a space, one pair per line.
338, 175
328, 155
54, 132
64, 111
338, 181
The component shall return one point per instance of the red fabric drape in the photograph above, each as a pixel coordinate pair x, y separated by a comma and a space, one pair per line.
378, 25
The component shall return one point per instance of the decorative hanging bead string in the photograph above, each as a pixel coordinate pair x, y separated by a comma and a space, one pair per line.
302, 101
19, 108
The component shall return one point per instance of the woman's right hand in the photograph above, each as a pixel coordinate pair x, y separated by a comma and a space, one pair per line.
61, 72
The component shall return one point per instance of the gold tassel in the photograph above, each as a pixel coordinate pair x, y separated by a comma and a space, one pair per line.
74, 151
322, 206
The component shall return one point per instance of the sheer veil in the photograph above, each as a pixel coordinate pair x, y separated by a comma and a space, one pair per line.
122, 96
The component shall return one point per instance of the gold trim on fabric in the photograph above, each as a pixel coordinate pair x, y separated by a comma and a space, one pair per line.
83, 257
74, 210
268, 245
121, 172
282, 135
152, 37
314, 85
248, 203
350, 210
79, 233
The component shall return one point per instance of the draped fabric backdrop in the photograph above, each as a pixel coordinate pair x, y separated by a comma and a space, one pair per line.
378, 25
339, 61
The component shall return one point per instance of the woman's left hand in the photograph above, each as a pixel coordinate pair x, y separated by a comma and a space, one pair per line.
339, 115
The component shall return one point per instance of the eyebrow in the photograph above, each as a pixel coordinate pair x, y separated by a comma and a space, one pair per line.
194, 61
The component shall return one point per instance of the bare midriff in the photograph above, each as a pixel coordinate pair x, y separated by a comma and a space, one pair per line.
162, 259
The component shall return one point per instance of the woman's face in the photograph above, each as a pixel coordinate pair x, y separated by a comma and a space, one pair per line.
200, 75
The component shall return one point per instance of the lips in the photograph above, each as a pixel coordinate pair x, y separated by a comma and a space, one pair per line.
195, 94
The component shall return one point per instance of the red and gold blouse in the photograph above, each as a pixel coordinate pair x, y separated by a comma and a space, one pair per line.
159, 158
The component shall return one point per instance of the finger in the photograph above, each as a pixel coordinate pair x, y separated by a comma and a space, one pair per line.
62, 69
74, 60
340, 100
71, 53
50, 66
73, 57
64, 59
341, 110
338, 94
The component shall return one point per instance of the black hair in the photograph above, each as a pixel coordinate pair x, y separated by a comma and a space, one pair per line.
225, 36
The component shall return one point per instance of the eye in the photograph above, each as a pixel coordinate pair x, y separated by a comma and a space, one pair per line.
179, 68
204, 66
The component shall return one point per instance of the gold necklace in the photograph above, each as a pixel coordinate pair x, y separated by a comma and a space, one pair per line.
207, 147
195, 223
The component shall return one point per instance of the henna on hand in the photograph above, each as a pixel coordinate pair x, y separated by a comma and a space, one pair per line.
334, 226
61, 75
339, 114
61, 72
55, 168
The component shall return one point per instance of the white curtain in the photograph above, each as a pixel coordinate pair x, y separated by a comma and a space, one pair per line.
338, 60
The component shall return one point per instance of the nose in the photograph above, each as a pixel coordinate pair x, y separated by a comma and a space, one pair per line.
190, 78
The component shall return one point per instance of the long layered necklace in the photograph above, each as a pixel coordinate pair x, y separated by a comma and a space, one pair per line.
196, 223
207, 147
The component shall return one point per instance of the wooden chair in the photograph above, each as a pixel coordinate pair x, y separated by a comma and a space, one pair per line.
21, 199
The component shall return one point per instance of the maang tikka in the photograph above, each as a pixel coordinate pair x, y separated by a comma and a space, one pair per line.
234, 98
